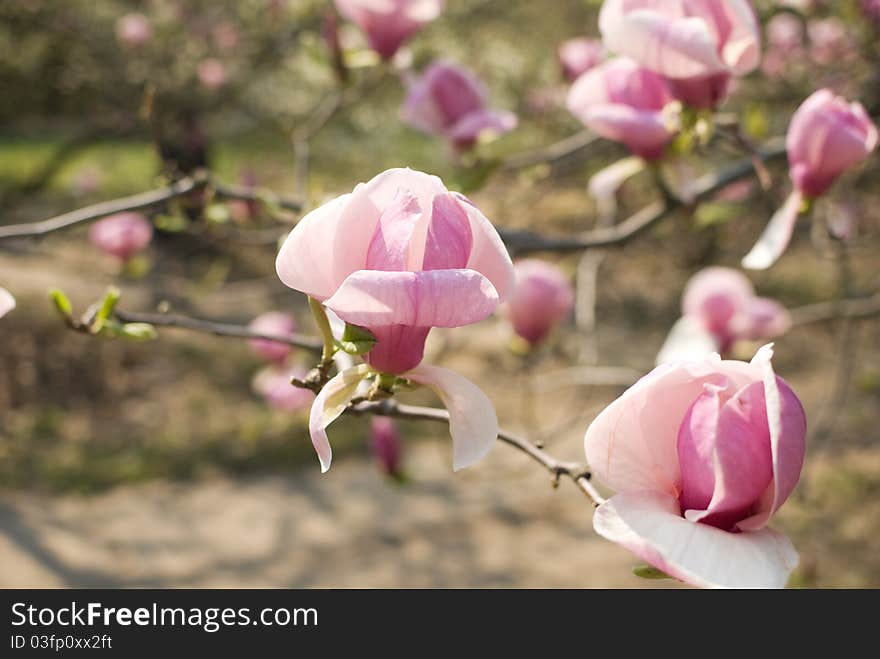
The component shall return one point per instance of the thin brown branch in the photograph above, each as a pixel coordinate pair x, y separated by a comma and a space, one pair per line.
552, 153
821, 312
574, 471
522, 242
218, 329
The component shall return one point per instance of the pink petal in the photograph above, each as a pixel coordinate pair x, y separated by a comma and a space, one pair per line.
772, 243
488, 256
650, 526
329, 405
398, 348
787, 423
631, 445
481, 124
390, 247
473, 423
435, 298
273, 384
644, 132
449, 241
7, 302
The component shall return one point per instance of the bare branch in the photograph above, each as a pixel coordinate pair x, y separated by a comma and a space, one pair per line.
820, 312
552, 153
522, 242
576, 472
218, 329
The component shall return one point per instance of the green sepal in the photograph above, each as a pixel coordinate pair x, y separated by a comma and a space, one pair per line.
649, 572
356, 340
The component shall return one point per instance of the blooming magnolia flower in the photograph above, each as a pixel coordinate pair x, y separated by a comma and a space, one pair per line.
7, 302
579, 55
388, 23
701, 454
134, 29
451, 101
697, 44
386, 444
123, 235
398, 256
719, 308
272, 323
542, 298
273, 384
624, 102
211, 73
826, 137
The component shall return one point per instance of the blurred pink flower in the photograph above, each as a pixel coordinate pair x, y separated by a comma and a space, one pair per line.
211, 73
7, 302
398, 256
871, 8
697, 44
134, 29
700, 455
542, 298
579, 55
826, 137
386, 445
272, 323
829, 40
388, 23
451, 101
273, 384
624, 102
123, 235
225, 36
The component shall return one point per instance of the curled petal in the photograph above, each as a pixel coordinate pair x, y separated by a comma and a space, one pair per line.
7, 302
772, 243
473, 423
644, 132
489, 255
687, 340
433, 298
605, 183
650, 526
483, 123
329, 404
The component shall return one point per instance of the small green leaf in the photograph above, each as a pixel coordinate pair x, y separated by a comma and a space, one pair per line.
649, 572
217, 214
61, 303
356, 340
138, 331
105, 311
172, 223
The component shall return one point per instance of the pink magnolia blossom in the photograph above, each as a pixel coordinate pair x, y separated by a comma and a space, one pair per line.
697, 44
225, 36
543, 297
134, 29
386, 444
700, 455
579, 55
451, 101
123, 235
211, 73
398, 256
871, 8
273, 384
624, 102
272, 323
826, 137
719, 308
388, 23
829, 40
7, 302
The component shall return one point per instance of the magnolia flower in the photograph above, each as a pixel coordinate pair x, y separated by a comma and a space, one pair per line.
451, 101
579, 55
273, 384
272, 323
719, 308
388, 23
133, 29
826, 137
398, 256
624, 102
211, 73
697, 44
386, 445
543, 297
701, 454
123, 235
7, 302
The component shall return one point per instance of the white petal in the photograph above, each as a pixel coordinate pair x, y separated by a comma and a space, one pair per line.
650, 525
473, 423
776, 236
7, 302
605, 183
688, 340
328, 405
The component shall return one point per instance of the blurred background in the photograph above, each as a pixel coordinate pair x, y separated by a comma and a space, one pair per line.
157, 463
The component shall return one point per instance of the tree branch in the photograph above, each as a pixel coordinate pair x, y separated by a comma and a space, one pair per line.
522, 242
820, 312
